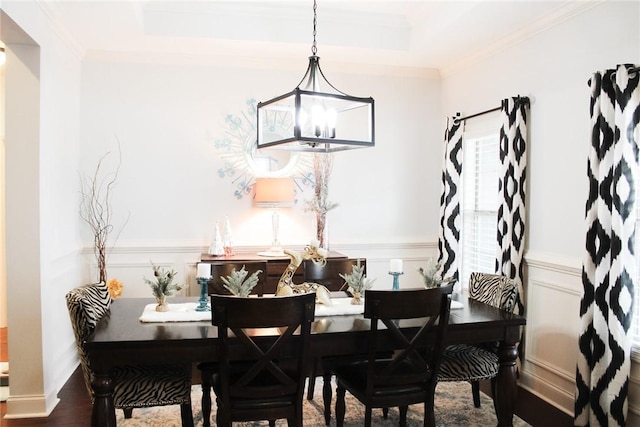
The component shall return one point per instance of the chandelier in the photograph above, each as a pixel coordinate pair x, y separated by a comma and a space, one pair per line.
318, 117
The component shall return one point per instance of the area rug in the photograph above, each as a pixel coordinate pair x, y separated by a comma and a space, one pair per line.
453, 408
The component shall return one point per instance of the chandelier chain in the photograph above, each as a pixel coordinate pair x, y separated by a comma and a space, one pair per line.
314, 48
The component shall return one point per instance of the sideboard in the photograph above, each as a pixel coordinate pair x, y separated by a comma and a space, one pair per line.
274, 270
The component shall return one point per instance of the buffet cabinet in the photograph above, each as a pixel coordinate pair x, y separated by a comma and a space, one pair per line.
272, 268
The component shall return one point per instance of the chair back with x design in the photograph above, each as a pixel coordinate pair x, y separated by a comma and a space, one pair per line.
405, 343
260, 378
418, 353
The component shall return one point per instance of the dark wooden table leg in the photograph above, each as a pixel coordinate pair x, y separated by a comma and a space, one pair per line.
505, 386
103, 413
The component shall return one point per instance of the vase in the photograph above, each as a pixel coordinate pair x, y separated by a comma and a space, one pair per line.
162, 303
357, 299
322, 230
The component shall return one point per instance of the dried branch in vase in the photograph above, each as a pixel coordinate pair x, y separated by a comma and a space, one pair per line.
320, 204
95, 210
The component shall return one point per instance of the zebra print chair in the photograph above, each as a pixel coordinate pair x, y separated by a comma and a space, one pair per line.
134, 386
465, 362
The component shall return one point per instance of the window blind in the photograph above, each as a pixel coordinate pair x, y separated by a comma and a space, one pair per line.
479, 199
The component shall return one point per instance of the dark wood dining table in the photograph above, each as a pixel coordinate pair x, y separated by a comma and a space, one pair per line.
122, 339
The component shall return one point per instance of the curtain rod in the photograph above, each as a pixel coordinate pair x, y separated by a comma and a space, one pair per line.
631, 71
524, 99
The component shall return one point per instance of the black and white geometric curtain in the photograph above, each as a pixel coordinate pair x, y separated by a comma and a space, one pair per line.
450, 218
512, 187
608, 271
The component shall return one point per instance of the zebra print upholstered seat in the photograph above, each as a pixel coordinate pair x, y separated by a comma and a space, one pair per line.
465, 362
134, 386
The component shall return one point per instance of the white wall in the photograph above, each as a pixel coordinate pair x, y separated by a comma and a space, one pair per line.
3, 258
43, 250
553, 68
168, 118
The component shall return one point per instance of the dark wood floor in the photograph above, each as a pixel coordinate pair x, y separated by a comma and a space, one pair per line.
74, 408
4, 352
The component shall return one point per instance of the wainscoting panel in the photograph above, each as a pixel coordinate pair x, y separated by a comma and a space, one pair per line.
131, 265
553, 288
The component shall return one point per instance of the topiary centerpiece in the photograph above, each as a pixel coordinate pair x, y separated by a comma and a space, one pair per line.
431, 275
357, 282
238, 285
162, 286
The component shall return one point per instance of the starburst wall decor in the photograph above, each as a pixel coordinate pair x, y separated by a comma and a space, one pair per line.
243, 162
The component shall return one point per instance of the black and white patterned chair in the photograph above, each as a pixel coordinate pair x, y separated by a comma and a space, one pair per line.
134, 386
465, 362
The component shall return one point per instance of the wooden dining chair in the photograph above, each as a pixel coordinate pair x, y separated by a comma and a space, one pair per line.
259, 378
328, 275
476, 362
409, 375
216, 286
224, 269
136, 386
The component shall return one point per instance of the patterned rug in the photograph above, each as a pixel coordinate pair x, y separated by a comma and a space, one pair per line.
453, 408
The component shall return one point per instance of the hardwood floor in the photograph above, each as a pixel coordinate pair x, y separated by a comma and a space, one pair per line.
4, 351
74, 409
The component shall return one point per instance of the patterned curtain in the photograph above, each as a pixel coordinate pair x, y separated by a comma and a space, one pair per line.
608, 270
511, 186
449, 232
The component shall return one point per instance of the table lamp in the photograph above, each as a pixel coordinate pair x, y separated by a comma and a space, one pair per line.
274, 193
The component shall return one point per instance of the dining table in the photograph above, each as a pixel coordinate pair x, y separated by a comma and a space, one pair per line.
132, 334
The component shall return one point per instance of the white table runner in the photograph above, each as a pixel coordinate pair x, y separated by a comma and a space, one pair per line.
340, 307
186, 312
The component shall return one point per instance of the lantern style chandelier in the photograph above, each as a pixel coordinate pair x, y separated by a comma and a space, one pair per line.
315, 116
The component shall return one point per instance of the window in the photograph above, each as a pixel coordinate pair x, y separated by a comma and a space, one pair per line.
479, 198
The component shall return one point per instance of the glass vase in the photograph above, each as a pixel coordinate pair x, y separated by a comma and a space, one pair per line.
322, 230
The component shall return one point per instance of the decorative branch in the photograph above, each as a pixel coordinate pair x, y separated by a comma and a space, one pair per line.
320, 204
95, 210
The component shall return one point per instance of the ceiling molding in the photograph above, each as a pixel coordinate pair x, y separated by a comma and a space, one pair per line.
60, 29
561, 14
247, 61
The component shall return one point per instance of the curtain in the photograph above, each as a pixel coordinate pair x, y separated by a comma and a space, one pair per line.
608, 270
449, 231
512, 187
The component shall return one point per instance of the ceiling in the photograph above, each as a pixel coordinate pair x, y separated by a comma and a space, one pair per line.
425, 34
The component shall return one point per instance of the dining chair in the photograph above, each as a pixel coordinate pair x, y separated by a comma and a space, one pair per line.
259, 378
328, 275
409, 375
473, 363
136, 386
216, 285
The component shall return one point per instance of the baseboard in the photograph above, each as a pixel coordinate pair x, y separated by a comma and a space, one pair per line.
534, 410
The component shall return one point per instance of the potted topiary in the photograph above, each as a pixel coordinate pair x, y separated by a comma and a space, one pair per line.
162, 286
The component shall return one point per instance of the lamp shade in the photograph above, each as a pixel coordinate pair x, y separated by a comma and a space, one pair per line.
272, 192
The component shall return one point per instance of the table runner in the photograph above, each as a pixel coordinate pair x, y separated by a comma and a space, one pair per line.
186, 312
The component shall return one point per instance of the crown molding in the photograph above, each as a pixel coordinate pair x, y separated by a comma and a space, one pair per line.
561, 14
49, 10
